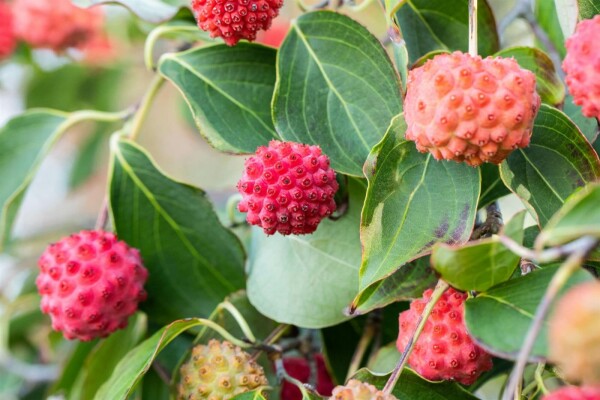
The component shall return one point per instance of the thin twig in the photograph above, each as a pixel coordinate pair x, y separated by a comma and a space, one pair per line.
435, 296
545, 256
473, 27
559, 279
266, 345
370, 330
492, 225
102, 219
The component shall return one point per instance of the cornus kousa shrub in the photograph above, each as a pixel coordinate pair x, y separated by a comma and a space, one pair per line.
404, 207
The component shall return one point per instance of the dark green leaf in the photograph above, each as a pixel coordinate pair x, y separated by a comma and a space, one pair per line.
547, 18
412, 386
580, 216
136, 363
492, 187
87, 158
336, 87
500, 318
24, 142
588, 126
229, 91
479, 265
549, 86
429, 25
385, 359
153, 387
406, 283
321, 268
413, 202
155, 11
557, 162
72, 369
588, 8
254, 395
194, 262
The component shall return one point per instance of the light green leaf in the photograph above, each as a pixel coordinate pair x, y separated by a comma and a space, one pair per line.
130, 370
588, 126
547, 18
567, 11
588, 8
413, 202
557, 162
336, 87
580, 216
548, 83
429, 25
479, 265
193, 261
155, 11
308, 280
500, 318
229, 92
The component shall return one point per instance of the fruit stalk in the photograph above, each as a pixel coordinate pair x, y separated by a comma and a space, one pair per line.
473, 27
559, 279
439, 290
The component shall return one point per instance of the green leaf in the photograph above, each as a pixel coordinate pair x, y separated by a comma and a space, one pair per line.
429, 25
547, 18
229, 91
24, 142
413, 202
385, 359
479, 265
408, 282
549, 86
567, 12
104, 358
194, 262
321, 269
588, 8
71, 370
253, 395
500, 318
412, 386
557, 162
154, 11
492, 187
336, 87
580, 216
136, 363
588, 126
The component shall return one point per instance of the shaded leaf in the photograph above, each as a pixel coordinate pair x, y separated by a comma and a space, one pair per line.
500, 318
155, 11
229, 91
413, 202
385, 359
548, 83
492, 187
547, 18
322, 267
193, 261
429, 25
588, 126
412, 386
557, 162
479, 265
336, 87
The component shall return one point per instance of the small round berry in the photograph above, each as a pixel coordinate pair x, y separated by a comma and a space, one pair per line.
90, 283
582, 66
288, 188
468, 109
444, 350
218, 370
574, 334
234, 20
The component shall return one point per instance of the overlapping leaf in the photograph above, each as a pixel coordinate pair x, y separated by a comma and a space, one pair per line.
429, 25
557, 162
413, 202
229, 91
588, 8
155, 11
492, 187
336, 87
479, 265
321, 268
500, 318
193, 261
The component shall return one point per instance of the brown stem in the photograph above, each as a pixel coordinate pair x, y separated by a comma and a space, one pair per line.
492, 225
102, 219
370, 330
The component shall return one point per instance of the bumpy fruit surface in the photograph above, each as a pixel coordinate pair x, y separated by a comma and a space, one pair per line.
582, 66
464, 108
444, 350
219, 371
574, 336
299, 368
574, 393
287, 188
357, 390
234, 20
56, 24
90, 284
7, 34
